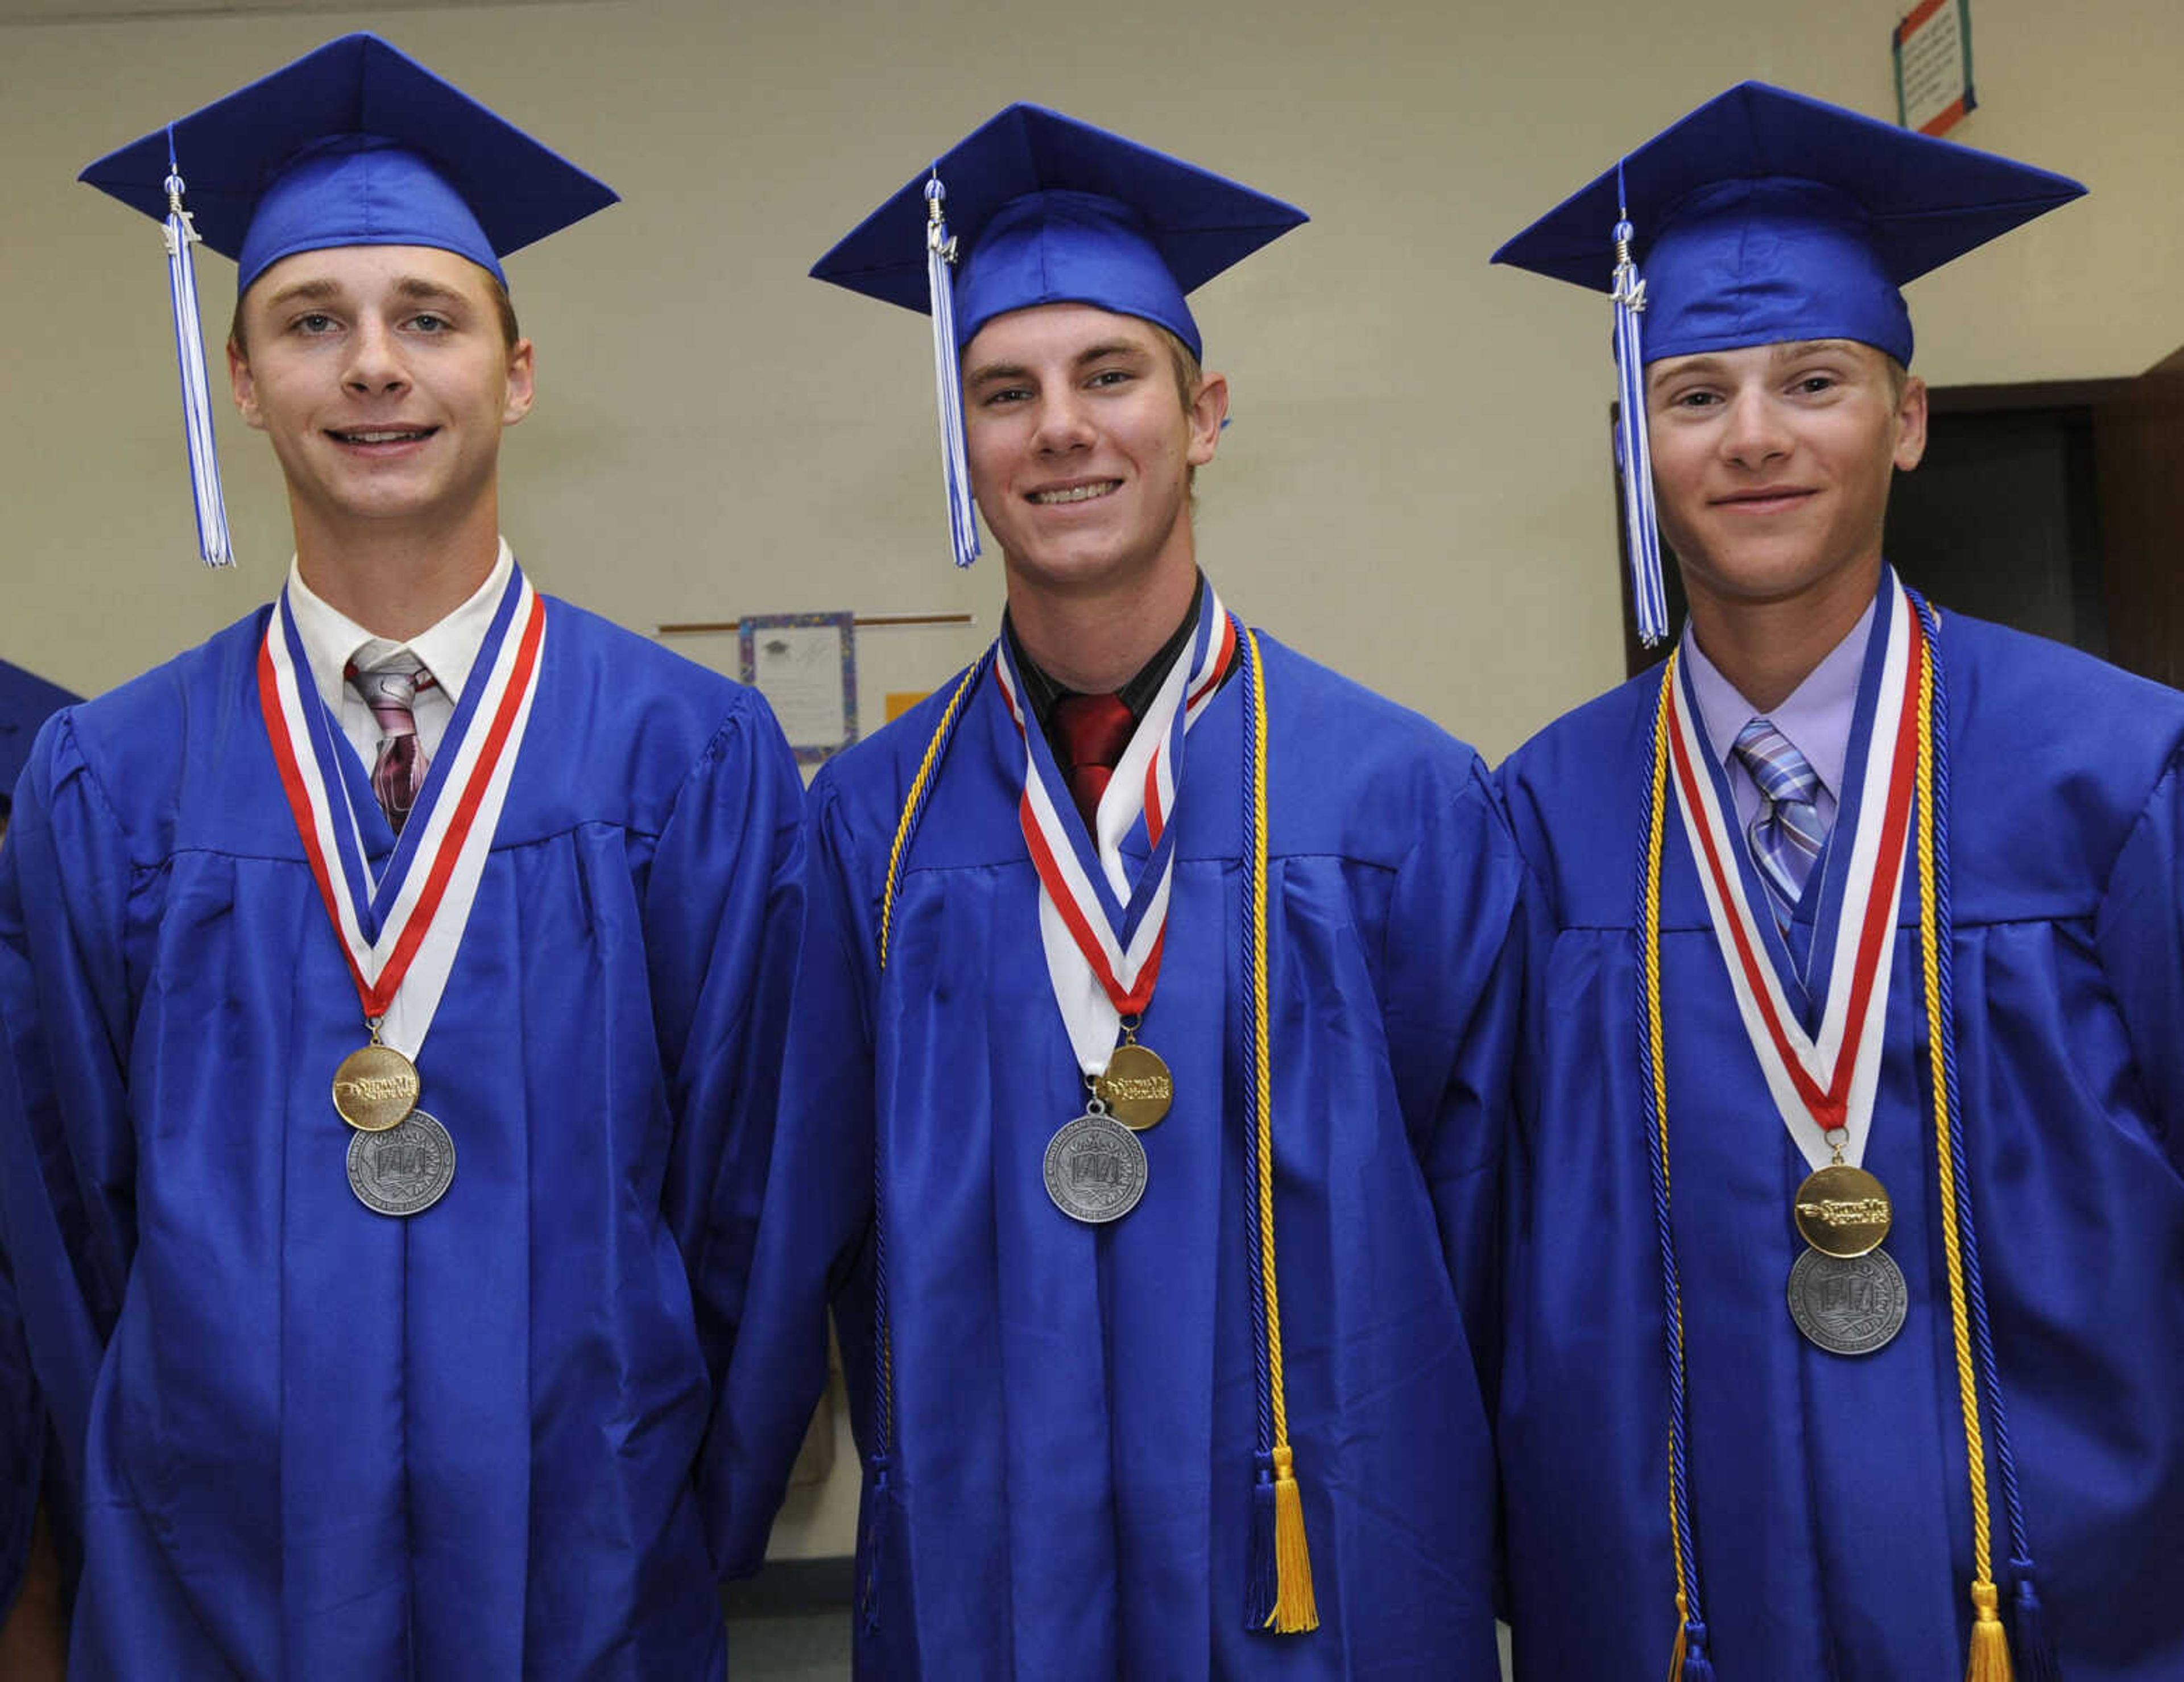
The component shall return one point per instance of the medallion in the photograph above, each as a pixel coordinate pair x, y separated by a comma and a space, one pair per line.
1842, 1211
1847, 1306
1136, 1088
1096, 1169
404, 1171
375, 1087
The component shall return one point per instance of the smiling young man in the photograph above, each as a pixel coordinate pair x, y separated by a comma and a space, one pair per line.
1142, 921
393, 990
1845, 1321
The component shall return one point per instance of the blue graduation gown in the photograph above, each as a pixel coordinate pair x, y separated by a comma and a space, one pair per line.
1071, 1473
1830, 1495
310, 1441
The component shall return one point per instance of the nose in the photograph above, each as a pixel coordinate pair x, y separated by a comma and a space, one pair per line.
1752, 434
1063, 424
374, 366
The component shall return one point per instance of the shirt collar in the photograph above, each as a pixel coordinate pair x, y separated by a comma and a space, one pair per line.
1816, 717
333, 641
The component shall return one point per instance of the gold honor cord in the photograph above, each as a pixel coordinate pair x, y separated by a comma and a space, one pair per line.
1295, 1609
1650, 957
1989, 1658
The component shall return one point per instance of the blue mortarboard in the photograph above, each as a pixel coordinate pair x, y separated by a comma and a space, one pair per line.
1036, 208
26, 701
1764, 217
355, 143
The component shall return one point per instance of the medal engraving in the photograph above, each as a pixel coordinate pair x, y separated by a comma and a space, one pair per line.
1842, 1211
1847, 1306
1136, 1088
1096, 1169
375, 1087
405, 1170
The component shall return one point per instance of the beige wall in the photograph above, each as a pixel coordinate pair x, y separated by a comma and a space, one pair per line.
1414, 488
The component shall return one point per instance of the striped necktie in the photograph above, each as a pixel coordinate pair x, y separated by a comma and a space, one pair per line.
1785, 834
390, 689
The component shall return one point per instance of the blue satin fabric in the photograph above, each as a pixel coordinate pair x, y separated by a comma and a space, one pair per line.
1070, 1489
360, 190
1830, 1495
1741, 262
312, 1441
1057, 246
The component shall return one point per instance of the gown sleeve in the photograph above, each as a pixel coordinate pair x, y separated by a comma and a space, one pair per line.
818, 1204
2138, 933
67, 1207
1455, 974
723, 904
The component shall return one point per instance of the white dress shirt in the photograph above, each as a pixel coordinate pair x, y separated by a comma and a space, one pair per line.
333, 642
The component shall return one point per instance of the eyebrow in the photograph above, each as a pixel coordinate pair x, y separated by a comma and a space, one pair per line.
1084, 359
413, 288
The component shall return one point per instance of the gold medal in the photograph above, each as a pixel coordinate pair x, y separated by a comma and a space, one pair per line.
375, 1088
1136, 1088
1842, 1211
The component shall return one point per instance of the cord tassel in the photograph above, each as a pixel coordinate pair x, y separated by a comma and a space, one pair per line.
940, 251
214, 542
1296, 1610
1633, 456
1989, 1656
1262, 1575
873, 1541
2036, 1651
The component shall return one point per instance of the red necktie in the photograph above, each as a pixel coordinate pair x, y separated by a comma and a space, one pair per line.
1094, 729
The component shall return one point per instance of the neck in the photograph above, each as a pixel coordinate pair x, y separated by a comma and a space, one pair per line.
1767, 649
1095, 639
398, 578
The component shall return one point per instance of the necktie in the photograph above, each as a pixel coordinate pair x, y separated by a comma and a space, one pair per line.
1094, 729
1785, 834
390, 689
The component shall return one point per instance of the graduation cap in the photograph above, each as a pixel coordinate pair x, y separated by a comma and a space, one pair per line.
26, 701
355, 143
1034, 207
1764, 217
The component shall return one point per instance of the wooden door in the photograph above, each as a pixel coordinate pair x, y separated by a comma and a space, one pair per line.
2139, 465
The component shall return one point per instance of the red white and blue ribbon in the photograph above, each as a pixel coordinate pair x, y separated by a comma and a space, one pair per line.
1823, 1084
400, 930
1103, 925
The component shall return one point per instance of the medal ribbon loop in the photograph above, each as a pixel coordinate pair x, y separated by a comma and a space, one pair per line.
405, 924
1104, 924
1823, 1085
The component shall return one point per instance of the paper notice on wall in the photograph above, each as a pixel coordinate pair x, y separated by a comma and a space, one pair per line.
1933, 51
805, 666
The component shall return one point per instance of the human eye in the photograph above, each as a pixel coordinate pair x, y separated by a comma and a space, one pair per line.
1694, 399
1000, 397
430, 322
314, 324
1815, 382
1111, 376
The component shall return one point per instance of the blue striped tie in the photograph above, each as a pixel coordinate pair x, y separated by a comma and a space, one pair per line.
1785, 834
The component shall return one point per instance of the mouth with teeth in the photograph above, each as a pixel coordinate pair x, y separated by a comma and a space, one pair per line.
368, 437
1074, 493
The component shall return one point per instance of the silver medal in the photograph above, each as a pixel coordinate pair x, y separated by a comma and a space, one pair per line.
1848, 1305
1096, 1167
405, 1170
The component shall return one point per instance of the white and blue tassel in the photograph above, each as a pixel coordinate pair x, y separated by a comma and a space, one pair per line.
1634, 458
214, 542
947, 377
